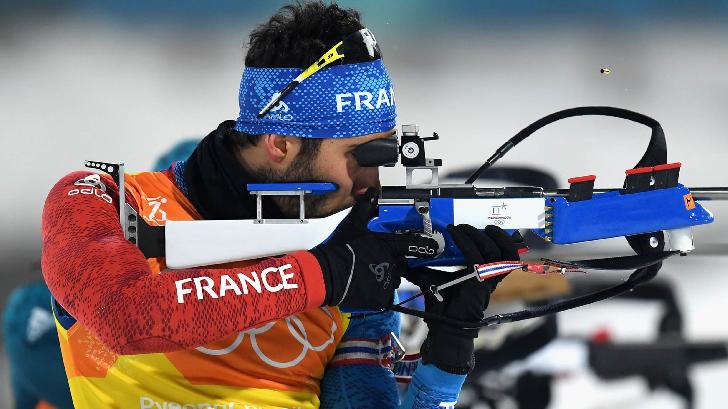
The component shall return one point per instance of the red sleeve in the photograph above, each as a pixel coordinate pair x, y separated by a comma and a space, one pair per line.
104, 281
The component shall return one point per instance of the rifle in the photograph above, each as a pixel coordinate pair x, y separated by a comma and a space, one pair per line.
663, 363
650, 206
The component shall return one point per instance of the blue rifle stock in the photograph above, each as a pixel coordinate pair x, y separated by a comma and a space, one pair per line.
650, 203
609, 214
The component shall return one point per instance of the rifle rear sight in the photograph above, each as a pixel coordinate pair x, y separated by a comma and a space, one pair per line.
413, 157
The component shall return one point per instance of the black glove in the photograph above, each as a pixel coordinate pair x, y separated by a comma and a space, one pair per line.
364, 273
355, 223
448, 347
362, 269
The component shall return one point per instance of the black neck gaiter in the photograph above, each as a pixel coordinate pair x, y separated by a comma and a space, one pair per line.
217, 183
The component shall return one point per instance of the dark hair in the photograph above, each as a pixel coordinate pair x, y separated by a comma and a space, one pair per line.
295, 36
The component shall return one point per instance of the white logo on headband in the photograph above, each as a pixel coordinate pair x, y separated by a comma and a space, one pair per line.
364, 99
369, 41
280, 106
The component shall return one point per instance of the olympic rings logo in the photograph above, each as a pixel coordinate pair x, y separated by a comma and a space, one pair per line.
297, 330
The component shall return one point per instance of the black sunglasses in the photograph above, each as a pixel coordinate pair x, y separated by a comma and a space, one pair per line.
378, 152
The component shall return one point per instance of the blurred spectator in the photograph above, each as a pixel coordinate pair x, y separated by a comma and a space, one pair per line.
36, 369
180, 151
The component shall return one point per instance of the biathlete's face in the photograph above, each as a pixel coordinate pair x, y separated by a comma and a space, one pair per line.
277, 159
336, 163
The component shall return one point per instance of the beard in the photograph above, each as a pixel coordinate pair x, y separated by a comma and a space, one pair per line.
301, 171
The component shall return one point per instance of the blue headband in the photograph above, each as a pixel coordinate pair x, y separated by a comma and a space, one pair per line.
337, 102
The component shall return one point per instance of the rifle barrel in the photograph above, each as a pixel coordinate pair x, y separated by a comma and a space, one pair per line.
699, 193
710, 193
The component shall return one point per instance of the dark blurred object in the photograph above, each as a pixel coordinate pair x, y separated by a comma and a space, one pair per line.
489, 384
663, 364
661, 291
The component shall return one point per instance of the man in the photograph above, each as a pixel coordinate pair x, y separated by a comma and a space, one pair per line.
258, 333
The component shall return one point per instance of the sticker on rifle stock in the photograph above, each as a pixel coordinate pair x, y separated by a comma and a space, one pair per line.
689, 201
526, 213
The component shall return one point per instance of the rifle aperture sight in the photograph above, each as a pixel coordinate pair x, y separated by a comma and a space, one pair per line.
413, 157
413, 147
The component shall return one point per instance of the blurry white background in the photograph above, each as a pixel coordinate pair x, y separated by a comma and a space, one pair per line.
123, 81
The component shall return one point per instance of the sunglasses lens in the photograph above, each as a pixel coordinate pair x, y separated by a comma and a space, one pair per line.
379, 152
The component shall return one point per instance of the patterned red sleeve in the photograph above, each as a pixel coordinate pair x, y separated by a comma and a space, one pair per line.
104, 281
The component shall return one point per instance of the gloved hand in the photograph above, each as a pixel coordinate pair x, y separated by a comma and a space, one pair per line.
448, 347
355, 223
362, 269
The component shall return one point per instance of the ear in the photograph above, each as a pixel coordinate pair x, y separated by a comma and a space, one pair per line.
279, 147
